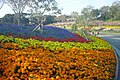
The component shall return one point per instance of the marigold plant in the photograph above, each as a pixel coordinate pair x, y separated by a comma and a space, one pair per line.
39, 63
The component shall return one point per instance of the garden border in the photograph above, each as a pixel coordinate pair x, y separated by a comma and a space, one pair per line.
117, 51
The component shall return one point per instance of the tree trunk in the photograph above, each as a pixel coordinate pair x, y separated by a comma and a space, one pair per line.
18, 21
18, 18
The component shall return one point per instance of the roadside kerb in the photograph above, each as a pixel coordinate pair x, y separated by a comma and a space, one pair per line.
117, 54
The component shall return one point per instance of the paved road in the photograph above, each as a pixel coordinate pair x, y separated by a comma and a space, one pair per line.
113, 39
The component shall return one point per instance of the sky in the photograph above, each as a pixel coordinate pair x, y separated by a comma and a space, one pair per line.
68, 6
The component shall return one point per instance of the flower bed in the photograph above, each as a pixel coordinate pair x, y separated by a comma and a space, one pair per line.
49, 33
56, 54
40, 63
96, 43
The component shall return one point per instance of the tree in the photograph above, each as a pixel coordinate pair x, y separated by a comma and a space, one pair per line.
49, 19
38, 8
86, 15
61, 18
105, 13
1, 3
80, 21
74, 27
95, 13
18, 6
24, 19
75, 15
9, 19
115, 11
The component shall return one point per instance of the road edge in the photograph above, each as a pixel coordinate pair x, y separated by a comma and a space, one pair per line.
116, 51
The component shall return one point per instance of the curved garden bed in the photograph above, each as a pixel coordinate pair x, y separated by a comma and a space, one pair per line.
22, 58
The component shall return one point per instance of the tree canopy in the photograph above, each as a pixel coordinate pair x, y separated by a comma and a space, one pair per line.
18, 6
40, 11
1, 3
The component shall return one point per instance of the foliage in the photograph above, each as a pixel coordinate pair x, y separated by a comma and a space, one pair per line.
74, 27
38, 8
89, 15
105, 13
49, 19
18, 6
24, 20
52, 38
36, 57
10, 19
95, 13
74, 15
40, 63
115, 11
1, 3
49, 33
86, 15
96, 43
110, 12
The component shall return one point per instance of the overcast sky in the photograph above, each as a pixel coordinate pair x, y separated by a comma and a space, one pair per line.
69, 6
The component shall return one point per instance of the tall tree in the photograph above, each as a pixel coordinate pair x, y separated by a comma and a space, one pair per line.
74, 14
1, 3
86, 15
38, 8
95, 13
61, 18
49, 19
9, 19
18, 6
115, 11
105, 13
